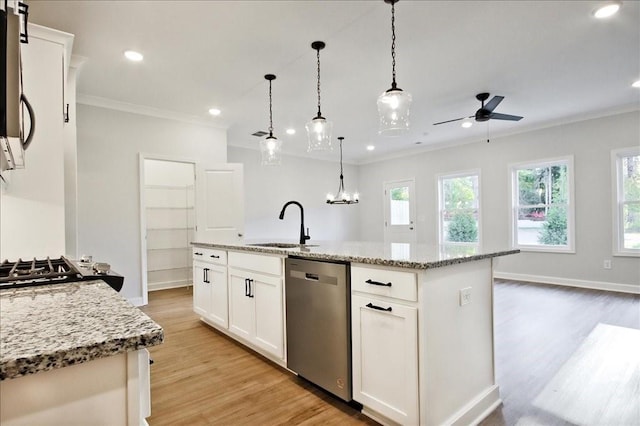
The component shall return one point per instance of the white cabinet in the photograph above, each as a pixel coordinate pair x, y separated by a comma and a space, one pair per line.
210, 290
32, 200
385, 344
256, 312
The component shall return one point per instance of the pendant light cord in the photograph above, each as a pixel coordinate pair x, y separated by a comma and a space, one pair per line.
341, 186
393, 44
318, 56
270, 112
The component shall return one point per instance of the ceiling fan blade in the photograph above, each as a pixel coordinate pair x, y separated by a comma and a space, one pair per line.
493, 103
449, 121
498, 116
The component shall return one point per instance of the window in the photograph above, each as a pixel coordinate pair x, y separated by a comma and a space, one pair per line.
626, 166
459, 212
542, 198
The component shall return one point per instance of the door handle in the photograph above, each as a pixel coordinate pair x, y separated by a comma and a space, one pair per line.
379, 308
372, 282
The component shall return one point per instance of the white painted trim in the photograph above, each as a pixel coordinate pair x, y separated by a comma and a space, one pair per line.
97, 101
569, 282
166, 285
137, 301
477, 409
55, 36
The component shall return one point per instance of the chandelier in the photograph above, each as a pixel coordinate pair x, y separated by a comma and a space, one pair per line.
342, 196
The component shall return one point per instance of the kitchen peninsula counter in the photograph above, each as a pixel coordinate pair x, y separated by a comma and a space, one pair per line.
398, 255
91, 331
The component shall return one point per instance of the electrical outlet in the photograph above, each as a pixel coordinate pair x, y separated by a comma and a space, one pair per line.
607, 264
465, 296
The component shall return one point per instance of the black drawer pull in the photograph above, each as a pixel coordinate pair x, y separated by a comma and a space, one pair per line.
214, 256
198, 254
378, 283
372, 306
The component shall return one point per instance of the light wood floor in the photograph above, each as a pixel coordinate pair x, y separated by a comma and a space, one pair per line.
201, 377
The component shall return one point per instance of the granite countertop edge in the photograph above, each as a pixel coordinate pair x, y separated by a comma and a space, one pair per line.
34, 352
370, 260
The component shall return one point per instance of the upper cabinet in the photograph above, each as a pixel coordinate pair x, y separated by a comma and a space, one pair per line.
32, 207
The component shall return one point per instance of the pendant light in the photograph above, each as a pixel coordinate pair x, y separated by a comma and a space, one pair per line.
319, 129
270, 147
342, 197
393, 105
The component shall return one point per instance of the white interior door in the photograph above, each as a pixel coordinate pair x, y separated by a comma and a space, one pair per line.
219, 202
399, 211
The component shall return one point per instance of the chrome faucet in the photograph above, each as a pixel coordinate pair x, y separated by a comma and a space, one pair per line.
303, 237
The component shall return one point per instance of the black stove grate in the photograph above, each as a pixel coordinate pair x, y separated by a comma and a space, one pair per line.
46, 270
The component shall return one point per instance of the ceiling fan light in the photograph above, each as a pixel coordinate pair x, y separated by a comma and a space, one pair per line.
271, 149
319, 134
607, 9
393, 110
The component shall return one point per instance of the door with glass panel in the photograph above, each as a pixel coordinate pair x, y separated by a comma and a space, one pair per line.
399, 211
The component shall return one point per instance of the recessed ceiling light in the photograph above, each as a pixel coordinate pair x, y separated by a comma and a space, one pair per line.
636, 84
291, 131
214, 111
370, 147
466, 124
133, 56
607, 9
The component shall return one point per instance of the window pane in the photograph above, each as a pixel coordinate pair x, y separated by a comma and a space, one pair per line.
539, 227
532, 186
460, 193
631, 217
460, 226
631, 178
399, 206
559, 184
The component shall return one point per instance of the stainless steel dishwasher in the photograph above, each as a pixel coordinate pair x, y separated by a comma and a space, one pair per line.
318, 305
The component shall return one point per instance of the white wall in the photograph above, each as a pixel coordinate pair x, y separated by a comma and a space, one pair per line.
590, 142
109, 142
268, 188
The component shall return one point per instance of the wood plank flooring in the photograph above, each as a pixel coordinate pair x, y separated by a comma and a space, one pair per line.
201, 377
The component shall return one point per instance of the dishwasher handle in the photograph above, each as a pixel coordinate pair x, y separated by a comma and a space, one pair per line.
379, 308
311, 277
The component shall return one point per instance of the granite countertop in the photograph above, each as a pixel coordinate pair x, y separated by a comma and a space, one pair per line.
47, 327
401, 255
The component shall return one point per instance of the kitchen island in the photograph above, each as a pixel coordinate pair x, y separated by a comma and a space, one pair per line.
74, 353
421, 320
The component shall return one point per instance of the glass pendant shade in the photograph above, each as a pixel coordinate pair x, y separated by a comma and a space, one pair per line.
319, 134
270, 148
393, 109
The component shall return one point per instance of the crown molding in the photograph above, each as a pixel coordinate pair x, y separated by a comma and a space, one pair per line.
98, 101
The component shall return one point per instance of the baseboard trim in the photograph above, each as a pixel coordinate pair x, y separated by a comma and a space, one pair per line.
136, 301
167, 285
477, 409
569, 282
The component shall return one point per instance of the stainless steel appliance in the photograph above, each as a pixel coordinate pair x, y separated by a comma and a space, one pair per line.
25, 273
319, 323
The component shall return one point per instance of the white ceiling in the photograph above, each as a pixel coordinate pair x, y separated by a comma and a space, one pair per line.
552, 60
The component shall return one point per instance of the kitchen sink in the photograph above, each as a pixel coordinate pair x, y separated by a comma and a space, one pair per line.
282, 245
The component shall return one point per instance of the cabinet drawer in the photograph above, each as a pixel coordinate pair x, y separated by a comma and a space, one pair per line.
256, 262
396, 284
218, 257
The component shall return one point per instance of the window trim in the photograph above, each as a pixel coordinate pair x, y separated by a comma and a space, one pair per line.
463, 173
616, 199
513, 222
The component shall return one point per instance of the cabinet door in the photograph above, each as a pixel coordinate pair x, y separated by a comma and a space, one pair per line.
241, 305
201, 289
269, 324
218, 310
385, 358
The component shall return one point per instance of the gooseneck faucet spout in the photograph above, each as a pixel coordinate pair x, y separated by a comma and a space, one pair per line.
303, 237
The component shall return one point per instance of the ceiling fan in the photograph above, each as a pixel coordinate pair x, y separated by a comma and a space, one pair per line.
485, 112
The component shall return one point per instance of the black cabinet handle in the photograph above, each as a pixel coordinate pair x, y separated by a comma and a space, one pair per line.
246, 287
372, 282
198, 254
372, 306
214, 256
250, 288
206, 275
